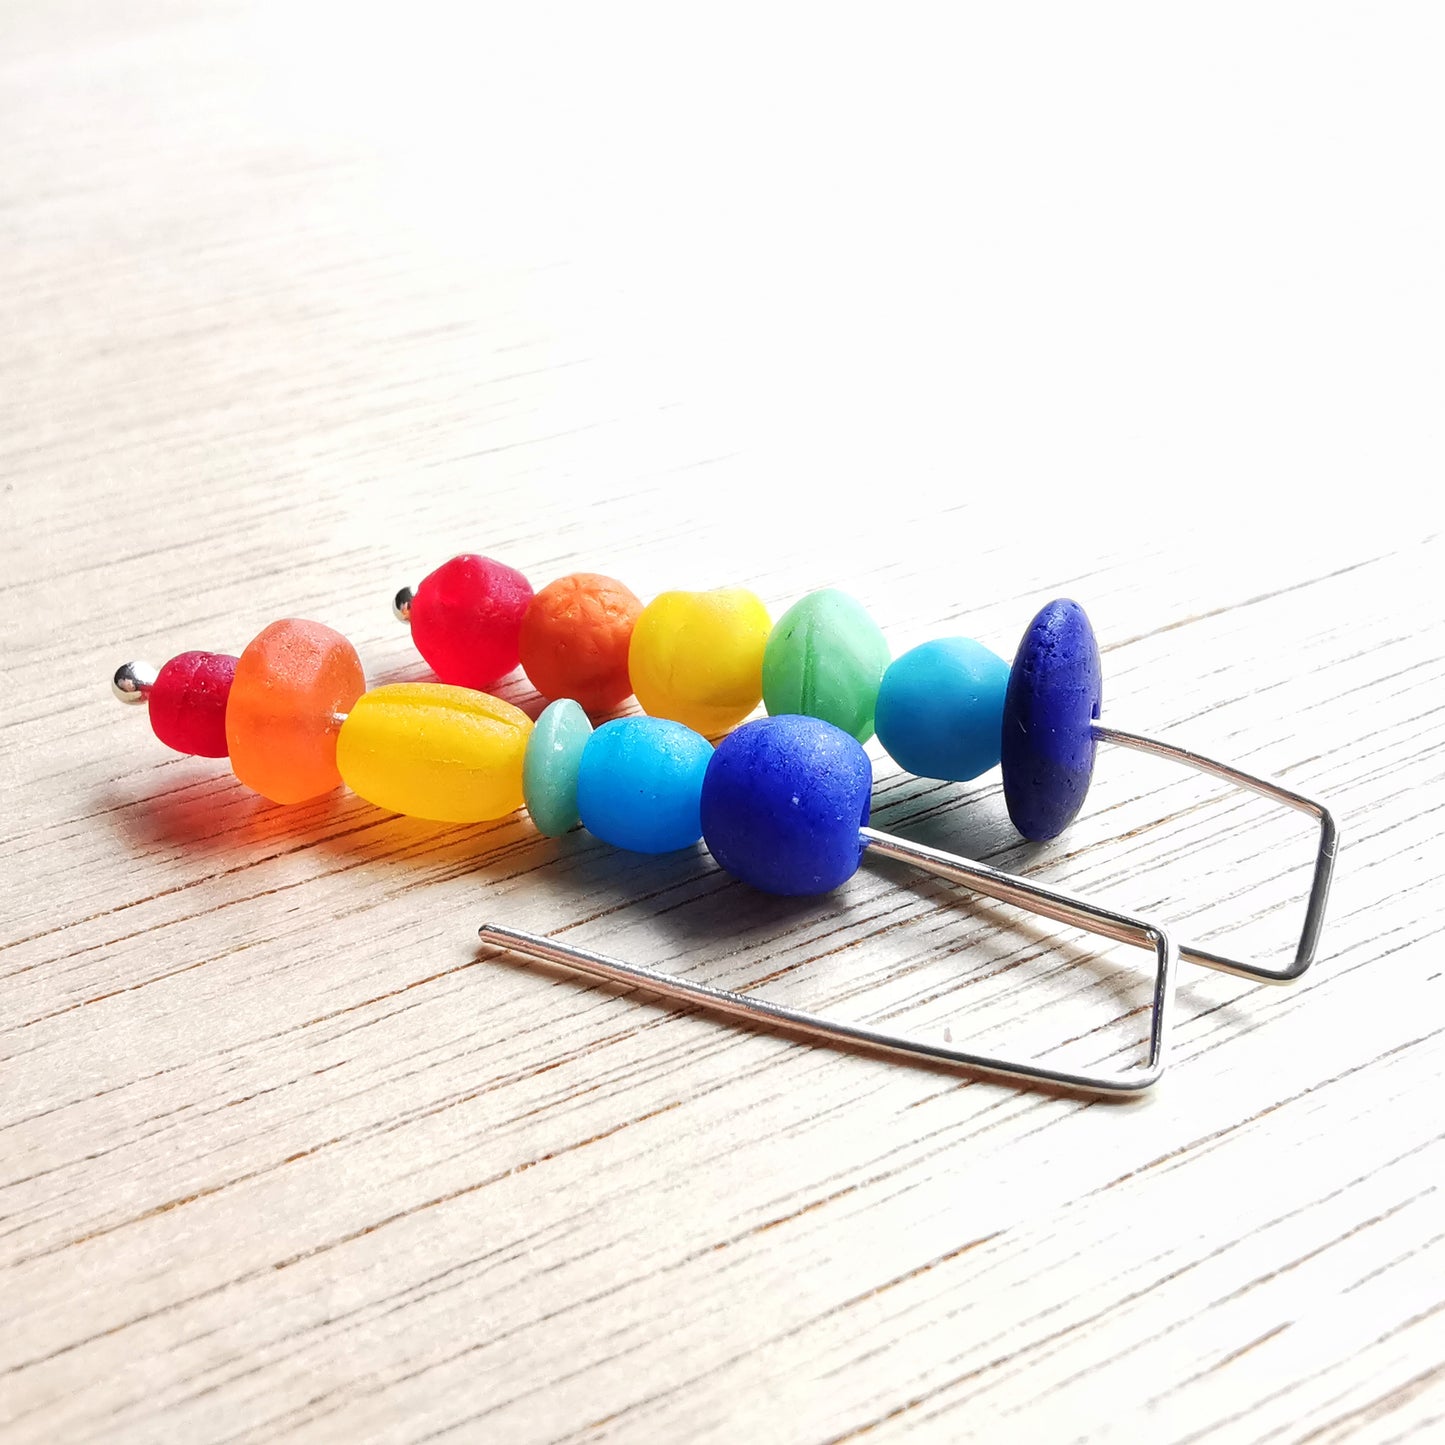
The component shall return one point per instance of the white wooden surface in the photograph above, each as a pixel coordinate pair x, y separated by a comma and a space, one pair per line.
959, 314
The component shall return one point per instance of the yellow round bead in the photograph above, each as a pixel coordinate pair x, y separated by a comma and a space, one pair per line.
434, 751
697, 657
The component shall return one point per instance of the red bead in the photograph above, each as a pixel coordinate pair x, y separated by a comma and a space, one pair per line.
466, 618
188, 703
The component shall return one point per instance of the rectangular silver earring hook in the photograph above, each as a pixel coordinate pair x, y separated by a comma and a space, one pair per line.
1324, 855
1046, 902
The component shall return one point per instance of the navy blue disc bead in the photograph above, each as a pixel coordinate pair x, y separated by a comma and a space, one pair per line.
782, 802
1054, 691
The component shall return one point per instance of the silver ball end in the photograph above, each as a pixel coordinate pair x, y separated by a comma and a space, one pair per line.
401, 604
133, 681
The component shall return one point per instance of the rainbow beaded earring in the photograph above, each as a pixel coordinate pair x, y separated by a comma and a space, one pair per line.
782, 803
949, 709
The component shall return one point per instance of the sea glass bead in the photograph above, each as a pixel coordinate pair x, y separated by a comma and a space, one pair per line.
575, 638
639, 784
434, 751
940, 709
1054, 694
697, 657
466, 619
782, 802
549, 770
293, 684
188, 703
825, 658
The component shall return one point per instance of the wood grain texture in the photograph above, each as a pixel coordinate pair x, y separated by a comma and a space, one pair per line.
960, 315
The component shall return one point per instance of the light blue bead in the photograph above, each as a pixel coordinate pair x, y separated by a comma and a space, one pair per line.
640, 784
940, 709
549, 769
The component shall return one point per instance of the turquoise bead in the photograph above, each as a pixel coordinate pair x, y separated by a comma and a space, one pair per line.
940, 709
640, 784
549, 770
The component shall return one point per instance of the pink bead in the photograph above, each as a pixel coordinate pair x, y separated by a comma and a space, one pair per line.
188, 703
466, 618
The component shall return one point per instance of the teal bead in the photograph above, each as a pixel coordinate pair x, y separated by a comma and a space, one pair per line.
825, 659
940, 709
640, 784
551, 764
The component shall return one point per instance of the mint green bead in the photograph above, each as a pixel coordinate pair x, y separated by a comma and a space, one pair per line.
825, 659
549, 769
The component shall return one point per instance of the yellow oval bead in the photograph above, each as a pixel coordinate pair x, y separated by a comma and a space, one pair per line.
431, 750
697, 657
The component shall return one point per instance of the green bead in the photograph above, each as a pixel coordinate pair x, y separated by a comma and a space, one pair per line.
825, 659
549, 770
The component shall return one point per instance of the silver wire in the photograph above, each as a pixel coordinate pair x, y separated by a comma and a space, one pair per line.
1047, 902
1324, 855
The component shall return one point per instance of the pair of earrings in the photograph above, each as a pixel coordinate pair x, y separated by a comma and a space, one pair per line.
782, 802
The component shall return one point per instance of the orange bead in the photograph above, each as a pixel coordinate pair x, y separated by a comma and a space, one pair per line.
575, 638
293, 685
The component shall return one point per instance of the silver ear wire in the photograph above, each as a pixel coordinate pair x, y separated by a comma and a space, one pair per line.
1033, 897
1329, 843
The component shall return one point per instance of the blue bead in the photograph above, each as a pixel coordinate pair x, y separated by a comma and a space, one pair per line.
1054, 694
940, 709
639, 783
783, 801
